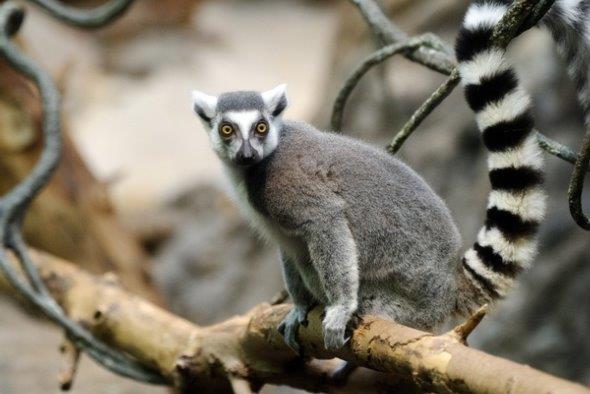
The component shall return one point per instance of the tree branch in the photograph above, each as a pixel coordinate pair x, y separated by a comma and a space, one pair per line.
88, 19
14, 205
521, 16
576, 187
248, 348
441, 93
388, 33
376, 58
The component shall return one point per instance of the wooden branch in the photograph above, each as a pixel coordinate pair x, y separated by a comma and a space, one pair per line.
248, 348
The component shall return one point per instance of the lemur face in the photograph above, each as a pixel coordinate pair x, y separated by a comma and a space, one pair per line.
243, 127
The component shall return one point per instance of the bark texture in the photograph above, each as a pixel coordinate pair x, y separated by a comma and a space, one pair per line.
247, 351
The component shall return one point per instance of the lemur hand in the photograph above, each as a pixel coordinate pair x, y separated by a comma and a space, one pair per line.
290, 326
334, 326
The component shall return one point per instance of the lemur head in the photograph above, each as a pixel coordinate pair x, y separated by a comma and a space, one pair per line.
243, 127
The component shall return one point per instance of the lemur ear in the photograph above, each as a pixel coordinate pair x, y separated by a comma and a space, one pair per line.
204, 105
276, 99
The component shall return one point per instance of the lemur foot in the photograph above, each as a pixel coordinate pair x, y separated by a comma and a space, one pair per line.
334, 326
289, 327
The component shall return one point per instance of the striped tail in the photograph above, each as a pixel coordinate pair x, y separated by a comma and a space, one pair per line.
506, 244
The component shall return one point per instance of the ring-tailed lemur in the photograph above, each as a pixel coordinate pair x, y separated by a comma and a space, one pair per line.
360, 231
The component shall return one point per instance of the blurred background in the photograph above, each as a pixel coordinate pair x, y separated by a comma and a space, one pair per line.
141, 194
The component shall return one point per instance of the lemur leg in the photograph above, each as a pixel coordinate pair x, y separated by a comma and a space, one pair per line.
303, 302
333, 254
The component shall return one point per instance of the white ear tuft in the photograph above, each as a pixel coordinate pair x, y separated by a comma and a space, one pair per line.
204, 105
276, 99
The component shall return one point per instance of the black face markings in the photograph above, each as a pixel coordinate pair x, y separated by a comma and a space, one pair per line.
487, 285
512, 226
246, 148
256, 178
236, 130
509, 133
253, 129
495, 262
490, 89
515, 180
472, 42
280, 107
202, 115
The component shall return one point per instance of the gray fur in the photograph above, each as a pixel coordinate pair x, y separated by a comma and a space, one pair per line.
359, 231
240, 101
243, 111
326, 193
569, 24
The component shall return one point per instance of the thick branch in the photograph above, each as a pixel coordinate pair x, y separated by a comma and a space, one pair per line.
249, 348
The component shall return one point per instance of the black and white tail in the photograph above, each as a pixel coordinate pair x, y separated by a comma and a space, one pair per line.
506, 244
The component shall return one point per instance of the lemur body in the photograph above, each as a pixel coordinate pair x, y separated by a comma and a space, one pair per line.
359, 231
357, 228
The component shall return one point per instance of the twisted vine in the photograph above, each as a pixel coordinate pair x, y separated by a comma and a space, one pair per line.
88, 19
14, 204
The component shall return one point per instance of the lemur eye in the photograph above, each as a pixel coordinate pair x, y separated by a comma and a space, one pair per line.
226, 130
262, 127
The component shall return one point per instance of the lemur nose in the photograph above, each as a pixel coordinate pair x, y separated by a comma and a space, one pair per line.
245, 155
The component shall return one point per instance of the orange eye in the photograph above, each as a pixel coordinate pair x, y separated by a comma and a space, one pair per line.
262, 127
226, 130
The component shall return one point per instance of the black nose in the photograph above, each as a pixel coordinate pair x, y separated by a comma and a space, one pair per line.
244, 158
246, 155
